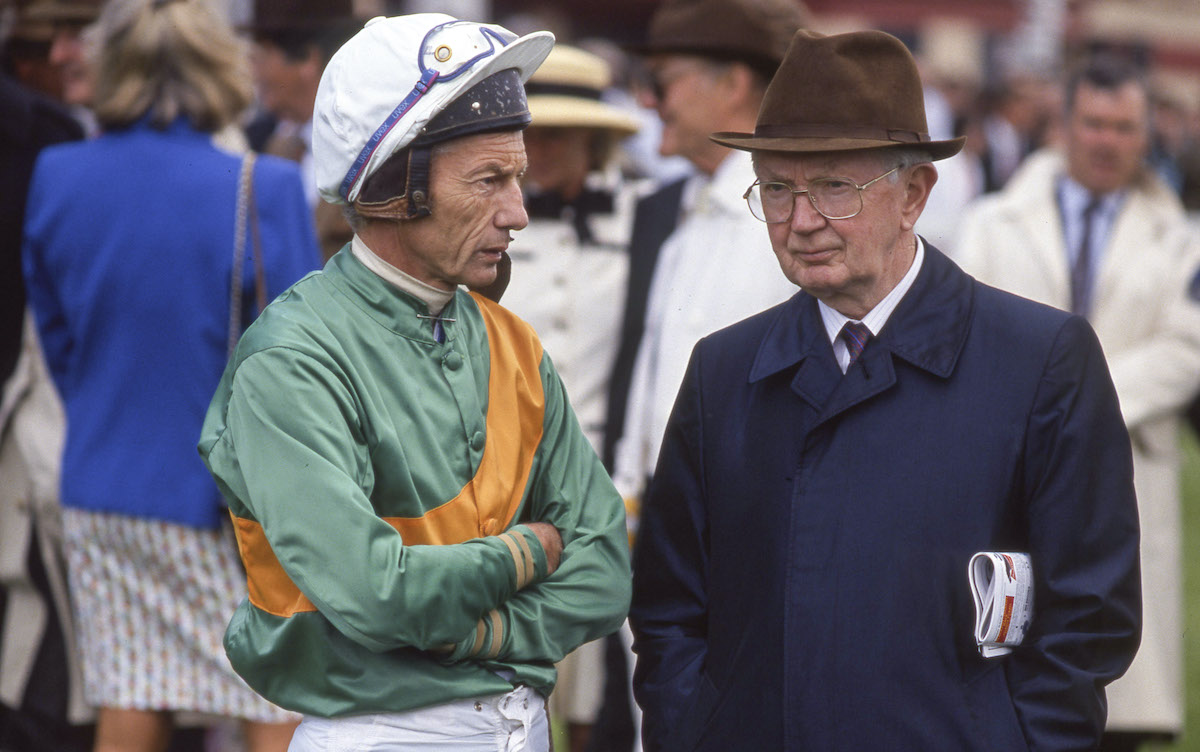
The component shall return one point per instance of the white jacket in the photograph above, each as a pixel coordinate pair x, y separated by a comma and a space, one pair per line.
31, 438
715, 269
573, 293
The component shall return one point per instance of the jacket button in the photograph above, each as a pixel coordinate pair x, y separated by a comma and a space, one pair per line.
477, 441
453, 361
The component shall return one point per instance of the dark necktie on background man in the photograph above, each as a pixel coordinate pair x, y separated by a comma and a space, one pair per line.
1081, 268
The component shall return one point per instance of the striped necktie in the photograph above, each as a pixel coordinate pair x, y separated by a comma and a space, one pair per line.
855, 336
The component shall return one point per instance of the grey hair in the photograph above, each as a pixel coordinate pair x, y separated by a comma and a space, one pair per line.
353, 218
903, 157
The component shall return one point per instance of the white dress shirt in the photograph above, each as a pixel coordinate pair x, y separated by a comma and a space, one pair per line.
876, 317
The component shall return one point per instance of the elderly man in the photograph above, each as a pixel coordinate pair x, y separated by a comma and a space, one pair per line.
1091, 229
833, 464
424, 526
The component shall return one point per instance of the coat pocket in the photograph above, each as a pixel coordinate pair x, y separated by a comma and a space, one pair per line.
992, 710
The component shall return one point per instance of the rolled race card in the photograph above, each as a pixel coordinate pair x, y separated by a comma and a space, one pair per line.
1002, 584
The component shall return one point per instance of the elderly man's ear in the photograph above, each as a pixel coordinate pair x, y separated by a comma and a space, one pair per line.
921, 179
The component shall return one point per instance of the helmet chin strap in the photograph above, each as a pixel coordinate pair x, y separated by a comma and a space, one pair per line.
413, 203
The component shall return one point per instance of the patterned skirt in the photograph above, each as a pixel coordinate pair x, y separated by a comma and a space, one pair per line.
151, 601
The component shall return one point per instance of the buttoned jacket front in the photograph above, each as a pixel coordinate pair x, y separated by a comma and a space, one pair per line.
572, 291
800, 579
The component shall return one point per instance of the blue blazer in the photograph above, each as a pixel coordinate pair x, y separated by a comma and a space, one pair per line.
128, 255
800, 576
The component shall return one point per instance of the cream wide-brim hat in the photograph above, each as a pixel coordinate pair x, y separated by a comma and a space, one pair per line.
571, 112
567, 91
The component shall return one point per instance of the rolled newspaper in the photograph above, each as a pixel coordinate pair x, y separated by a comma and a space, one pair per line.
1002, 584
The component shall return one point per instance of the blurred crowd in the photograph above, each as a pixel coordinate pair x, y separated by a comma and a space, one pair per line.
1008, 111
619, 166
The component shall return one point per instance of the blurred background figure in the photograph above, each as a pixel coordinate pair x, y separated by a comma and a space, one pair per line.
951, 61
569, 270
29, 121
26, 49
1013, 124
129, 265
1090, 228
293, 41
638, 154
54, 58
571, 263
1174, 150
41, 699
709, 63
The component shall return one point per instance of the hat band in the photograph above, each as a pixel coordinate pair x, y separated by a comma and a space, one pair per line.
533, 88
823, 130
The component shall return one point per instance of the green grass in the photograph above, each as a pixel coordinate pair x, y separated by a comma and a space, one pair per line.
1190, 484
558, 735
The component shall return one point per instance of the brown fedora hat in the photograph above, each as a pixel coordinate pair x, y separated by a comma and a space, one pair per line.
844, 92
756, 32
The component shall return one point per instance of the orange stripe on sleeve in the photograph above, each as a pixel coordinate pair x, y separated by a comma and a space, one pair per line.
523, 574
497, 633
269, 586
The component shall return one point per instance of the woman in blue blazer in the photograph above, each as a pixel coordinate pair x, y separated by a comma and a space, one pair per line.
128, 257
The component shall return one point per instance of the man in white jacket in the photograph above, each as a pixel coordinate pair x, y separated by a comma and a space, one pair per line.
1090, 229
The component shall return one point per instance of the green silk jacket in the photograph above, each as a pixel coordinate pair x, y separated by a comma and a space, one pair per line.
377, 481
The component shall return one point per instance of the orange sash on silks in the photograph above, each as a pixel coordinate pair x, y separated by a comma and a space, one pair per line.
488, 502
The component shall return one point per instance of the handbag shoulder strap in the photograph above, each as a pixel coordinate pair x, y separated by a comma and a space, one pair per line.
247, 213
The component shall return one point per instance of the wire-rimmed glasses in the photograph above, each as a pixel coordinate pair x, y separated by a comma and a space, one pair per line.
774, 201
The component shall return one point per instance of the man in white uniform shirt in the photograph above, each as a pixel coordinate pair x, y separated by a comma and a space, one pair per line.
570, 264
710, 62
